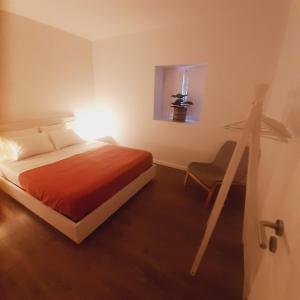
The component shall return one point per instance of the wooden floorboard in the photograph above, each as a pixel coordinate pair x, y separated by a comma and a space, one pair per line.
144, 251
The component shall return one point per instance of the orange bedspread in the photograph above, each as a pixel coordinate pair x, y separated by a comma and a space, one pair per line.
77, 185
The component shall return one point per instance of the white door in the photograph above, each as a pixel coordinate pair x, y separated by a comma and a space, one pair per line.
277, 276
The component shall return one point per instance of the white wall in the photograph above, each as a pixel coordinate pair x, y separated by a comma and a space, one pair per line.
278, 170
43, 71
241, 49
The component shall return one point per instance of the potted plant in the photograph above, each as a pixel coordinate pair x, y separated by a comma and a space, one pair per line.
180, 106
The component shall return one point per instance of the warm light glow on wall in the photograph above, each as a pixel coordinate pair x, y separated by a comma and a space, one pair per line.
94, 124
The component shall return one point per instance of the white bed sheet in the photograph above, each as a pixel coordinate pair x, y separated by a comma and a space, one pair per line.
12, 169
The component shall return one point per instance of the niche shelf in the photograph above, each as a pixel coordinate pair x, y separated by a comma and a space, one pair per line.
184, 79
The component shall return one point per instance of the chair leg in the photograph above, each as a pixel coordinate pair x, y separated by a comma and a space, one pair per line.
209, 196
186, 178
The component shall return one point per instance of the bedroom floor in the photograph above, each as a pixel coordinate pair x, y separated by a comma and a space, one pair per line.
144, 251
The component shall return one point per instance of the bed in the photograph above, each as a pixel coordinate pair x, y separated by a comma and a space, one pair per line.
76, 188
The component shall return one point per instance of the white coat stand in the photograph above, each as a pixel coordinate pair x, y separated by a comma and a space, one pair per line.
257, 125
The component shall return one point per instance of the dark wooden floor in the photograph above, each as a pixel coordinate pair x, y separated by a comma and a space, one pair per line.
144, 251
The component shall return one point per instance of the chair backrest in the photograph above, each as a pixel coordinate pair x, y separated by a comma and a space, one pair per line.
223, 158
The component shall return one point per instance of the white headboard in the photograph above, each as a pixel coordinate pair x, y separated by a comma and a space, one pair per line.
36, 122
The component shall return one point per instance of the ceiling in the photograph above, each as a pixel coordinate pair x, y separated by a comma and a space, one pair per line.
96, 19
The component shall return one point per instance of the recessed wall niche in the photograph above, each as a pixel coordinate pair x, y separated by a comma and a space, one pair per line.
179, 79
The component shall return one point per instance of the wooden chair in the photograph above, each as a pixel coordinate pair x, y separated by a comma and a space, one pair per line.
210, 175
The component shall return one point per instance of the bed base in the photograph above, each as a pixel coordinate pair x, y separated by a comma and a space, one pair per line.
78, 231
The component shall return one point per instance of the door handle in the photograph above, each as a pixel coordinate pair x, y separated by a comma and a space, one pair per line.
278, 227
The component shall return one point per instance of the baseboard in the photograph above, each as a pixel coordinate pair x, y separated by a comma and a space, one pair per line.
169, 164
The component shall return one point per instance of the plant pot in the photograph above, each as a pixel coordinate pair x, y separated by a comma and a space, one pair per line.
179, 113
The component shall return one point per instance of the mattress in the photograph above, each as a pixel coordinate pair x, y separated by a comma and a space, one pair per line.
11, 170
78, 180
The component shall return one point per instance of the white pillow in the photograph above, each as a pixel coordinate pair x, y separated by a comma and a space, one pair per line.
51, 127
6, 150
29, 145
64, 137
23, 132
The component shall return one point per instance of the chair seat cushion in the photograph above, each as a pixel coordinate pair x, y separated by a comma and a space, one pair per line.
207, 173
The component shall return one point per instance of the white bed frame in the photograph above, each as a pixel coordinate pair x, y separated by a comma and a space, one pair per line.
76, 231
